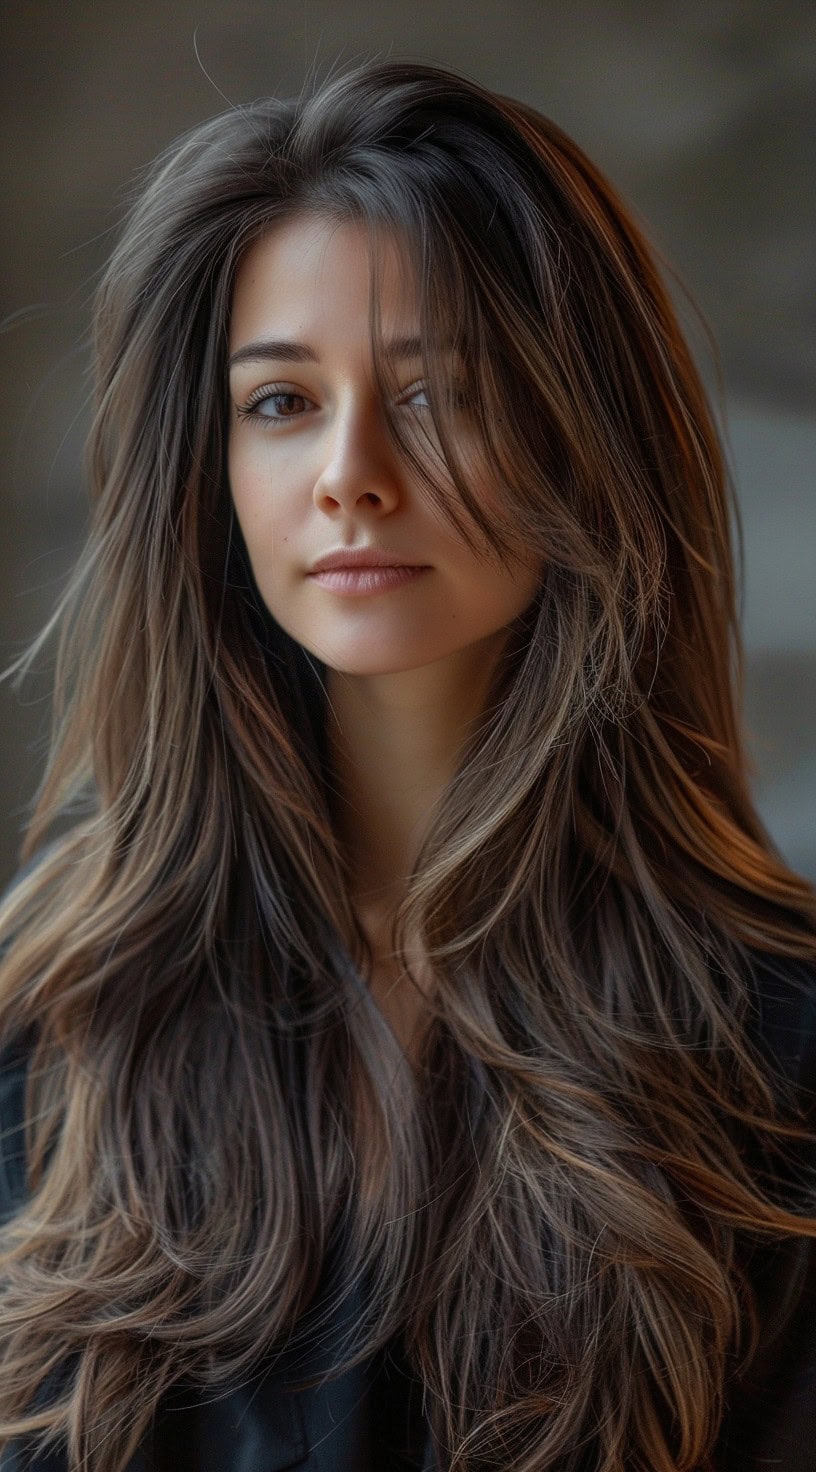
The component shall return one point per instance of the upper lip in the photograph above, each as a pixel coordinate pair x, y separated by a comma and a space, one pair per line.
361, 557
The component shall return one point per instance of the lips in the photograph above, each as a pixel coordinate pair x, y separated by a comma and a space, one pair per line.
358, 558
360, 582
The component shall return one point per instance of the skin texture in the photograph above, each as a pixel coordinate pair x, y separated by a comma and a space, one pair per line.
407, 669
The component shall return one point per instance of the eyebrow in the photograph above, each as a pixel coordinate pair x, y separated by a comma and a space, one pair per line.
284, 350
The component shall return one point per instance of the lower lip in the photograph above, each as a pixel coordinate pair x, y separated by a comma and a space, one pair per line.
359, 581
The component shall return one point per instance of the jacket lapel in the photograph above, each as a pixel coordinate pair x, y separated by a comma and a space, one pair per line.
266, 1424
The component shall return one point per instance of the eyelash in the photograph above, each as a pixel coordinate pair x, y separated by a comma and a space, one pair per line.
250, 410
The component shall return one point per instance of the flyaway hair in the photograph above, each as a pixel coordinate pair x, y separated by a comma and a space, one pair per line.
559, 1212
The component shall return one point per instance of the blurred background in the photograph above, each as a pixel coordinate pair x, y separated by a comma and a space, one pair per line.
703, 117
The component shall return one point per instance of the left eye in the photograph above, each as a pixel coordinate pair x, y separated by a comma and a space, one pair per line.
413, 396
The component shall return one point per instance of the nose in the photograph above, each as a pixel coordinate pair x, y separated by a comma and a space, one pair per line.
359, 469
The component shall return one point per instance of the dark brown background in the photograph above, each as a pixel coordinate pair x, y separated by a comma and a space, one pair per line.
701, 113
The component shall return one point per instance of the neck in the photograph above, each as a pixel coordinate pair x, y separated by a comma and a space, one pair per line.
395, 741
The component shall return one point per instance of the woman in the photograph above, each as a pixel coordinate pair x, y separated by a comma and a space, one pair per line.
409, 1039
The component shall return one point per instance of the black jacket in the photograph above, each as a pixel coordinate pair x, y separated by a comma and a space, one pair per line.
372, 1418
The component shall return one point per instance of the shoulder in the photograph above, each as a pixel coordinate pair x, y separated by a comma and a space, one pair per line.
13, 1066
770, 1409
14, 1058
783, 993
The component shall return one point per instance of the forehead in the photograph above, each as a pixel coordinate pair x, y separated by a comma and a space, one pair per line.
309, 273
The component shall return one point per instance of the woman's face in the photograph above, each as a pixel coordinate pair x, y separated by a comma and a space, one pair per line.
312, 470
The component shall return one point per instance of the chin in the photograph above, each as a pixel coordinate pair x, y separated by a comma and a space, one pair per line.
376, 662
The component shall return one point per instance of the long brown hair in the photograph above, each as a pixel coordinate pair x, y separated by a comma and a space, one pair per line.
556, 1214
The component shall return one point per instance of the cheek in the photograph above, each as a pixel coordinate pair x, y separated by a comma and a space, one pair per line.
258, 508
268, 521
244, 485
496, 595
